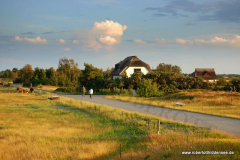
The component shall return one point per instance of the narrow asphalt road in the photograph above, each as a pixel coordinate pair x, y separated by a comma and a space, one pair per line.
228, 125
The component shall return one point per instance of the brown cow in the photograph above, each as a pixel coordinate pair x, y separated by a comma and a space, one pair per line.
32, 89
25, 90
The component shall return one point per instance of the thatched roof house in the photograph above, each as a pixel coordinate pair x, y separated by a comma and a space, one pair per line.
208, 74
130, 65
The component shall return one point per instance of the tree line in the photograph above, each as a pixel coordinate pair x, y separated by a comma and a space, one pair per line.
166, 78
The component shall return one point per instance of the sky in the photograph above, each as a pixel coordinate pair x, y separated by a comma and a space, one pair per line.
188, 33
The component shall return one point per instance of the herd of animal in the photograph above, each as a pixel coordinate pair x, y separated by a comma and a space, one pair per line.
22, 90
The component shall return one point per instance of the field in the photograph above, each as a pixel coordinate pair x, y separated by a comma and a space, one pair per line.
34, 127
226, 104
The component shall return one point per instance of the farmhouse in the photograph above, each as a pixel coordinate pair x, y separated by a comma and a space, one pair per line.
208, 74
128, 66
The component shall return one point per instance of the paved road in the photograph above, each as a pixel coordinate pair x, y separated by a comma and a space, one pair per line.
228, 125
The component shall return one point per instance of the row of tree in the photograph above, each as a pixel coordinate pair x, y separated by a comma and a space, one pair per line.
166, 77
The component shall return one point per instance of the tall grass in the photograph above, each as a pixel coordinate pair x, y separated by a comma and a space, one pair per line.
34, 127
226, 104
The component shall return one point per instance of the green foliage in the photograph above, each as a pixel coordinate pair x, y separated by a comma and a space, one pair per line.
135, 80
147, 88
67, 73
221, 82
162, 67
26, 73
236, 83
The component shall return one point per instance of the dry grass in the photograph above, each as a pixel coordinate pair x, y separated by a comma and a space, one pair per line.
171, 146
34, 127
224, 104
48, 88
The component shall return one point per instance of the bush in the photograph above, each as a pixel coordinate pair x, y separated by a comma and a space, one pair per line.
147, 88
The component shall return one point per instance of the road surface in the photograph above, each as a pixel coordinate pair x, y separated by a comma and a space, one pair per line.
228, 125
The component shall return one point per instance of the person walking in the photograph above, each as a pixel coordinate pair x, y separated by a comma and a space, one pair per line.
91, 92
231, 89
83, 91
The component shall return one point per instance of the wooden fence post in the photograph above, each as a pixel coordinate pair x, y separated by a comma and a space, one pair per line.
148, 123
158, 127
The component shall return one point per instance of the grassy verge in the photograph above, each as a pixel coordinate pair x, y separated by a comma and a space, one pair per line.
34, 127
226, 104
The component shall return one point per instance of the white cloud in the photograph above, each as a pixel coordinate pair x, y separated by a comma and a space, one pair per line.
66, 49
61, 41
109, 28
182, 41
107, 40
75, 41
140, 41
231, 42
30, 40
103, 35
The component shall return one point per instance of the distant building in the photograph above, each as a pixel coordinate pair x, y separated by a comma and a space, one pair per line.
208, 74
225, 76
129, 66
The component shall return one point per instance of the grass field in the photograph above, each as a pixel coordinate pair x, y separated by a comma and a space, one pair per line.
226, 104
34, 127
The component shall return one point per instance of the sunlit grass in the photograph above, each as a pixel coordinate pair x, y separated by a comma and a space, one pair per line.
48, 88
224, 104
34, 127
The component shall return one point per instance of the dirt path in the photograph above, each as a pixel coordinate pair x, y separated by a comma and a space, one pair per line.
228, 125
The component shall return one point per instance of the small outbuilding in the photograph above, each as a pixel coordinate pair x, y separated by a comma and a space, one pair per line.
130, 65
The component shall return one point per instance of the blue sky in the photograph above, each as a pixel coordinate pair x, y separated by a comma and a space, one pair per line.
186, 33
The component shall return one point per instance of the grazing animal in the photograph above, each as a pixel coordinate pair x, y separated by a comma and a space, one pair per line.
25, 90
32, 89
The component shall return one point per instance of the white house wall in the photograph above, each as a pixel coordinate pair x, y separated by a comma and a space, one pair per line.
130, 70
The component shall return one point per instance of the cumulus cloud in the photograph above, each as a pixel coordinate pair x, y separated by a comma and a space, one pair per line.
75, 41
61, 41
107, 40
30, 40
139, 41
103, 35
109, 28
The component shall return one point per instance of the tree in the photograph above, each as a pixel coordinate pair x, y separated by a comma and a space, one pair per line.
68, 72
26, 73
162, 67
7, 73
147, 88
39, 73
135, 79
92, 77
50, 73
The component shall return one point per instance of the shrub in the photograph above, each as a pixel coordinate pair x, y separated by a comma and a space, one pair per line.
147, 88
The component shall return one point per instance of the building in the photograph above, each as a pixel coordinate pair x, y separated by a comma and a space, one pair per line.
208, 74
225, 76
128, 66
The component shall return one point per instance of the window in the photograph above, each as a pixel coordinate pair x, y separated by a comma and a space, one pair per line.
137, 70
